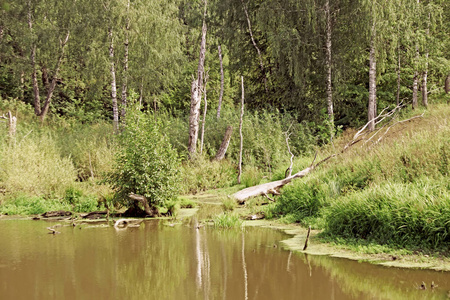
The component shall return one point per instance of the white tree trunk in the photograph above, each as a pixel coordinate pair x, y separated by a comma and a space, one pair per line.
221, 83
328, 62
240, 132
205, 108
425, 73
113, 84
196, 93
415, 91
37, 97
372, 108
125, 67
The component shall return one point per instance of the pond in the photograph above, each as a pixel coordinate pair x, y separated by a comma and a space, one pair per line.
159, 260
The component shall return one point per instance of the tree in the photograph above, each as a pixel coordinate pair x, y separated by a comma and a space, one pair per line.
145, 163
196, 92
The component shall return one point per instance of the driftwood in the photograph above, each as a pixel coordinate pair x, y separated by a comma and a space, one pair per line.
122, 223
274, 187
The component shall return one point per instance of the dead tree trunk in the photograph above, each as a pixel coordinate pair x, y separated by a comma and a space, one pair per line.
224, 146
221, 83
150, 211
196, 93
11, 122
240, 132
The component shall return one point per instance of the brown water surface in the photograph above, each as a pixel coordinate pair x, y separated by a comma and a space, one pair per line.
156, 261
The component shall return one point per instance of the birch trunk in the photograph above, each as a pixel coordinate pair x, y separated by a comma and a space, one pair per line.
205, 108
240, 132
415, 82
221, 82
36, 93
196, 94
328, 62
425, 73
52, 86
113, 84
416, 75
125, 67
372, 82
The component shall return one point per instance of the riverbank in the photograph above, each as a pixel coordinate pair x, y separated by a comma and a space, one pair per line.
393, 258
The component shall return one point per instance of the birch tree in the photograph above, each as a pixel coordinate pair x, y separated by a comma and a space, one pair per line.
196, 92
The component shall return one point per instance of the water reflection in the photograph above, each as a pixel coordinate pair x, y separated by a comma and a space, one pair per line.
156, 261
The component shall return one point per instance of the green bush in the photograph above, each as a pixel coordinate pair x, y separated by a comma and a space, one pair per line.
145, 163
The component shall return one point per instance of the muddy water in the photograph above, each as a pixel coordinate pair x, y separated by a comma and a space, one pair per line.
157, 261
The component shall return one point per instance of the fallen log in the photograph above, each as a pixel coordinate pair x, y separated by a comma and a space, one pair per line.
274, 187
57, 213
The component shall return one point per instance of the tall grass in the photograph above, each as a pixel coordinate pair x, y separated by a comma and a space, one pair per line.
394, 193
412, 214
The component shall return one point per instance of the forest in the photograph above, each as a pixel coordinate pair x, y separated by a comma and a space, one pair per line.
162, 98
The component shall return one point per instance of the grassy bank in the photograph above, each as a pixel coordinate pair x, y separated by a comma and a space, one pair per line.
396, 193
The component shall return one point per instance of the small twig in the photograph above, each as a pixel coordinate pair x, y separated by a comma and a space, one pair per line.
267, 196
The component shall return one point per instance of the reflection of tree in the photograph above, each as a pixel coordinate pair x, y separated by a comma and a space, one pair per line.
244, 267
203, 275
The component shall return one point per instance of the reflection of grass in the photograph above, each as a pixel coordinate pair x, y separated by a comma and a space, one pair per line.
378, 282
227, 221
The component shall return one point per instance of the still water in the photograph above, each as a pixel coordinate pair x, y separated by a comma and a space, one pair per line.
157, 261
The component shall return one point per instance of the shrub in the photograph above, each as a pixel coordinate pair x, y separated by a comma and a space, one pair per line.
145, 163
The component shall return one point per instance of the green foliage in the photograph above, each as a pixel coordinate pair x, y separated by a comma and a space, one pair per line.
25, 205
145, 164
80, 202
